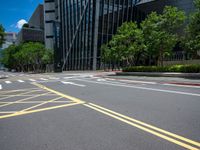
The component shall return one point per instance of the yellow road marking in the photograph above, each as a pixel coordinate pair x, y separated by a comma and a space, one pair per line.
37, 110
7, 112
144, 129
21, 90
22, 100
26, 95
34, 102
41, 104
149, 126
58, 93
19, 94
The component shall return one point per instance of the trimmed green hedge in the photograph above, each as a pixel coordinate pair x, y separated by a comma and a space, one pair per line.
174, 68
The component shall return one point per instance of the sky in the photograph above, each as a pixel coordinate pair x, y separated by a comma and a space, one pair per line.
14, 13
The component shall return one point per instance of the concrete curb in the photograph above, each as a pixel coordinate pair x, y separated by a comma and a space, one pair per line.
160, 74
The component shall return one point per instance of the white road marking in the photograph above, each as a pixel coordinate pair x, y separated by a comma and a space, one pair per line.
21, 81
32, 80
188, 86
110, 79
71, 83
8, 82
135, 81
143, 88
101, 80
54, 78
69, 77
1, 87
43, 79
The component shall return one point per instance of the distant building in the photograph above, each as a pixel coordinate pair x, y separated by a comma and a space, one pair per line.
10, 38
34, 30
76, 29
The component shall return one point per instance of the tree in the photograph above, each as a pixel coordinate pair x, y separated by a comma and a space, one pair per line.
127, 45
27, 57
8, 57
192, 38
26, 25
1, 35
160, 32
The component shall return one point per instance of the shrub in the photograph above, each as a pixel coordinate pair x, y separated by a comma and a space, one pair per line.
174, 68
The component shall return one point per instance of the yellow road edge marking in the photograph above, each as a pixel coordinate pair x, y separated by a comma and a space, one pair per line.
149, 126
37, 110
41, 104
144, 129
21, 100
58, 93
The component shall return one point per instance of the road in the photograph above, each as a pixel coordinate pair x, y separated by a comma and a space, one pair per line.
92, 111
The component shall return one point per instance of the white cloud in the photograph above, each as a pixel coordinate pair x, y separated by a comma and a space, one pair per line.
20, 23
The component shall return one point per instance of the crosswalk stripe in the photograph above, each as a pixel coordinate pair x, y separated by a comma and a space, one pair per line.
32, 80
8, 82
0, 87
21, 81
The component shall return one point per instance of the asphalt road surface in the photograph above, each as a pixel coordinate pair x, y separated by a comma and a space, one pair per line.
90, 111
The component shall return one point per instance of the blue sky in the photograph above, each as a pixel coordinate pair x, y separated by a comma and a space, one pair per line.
12, 11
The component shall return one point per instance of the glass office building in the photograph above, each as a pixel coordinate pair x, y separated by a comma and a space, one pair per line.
82, 26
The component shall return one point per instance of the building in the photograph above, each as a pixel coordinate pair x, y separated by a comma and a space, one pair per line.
49, 16
34, 30
78, 28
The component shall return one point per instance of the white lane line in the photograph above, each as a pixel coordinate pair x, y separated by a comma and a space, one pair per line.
21, 81
71, 83
31, 80
43, 79
69, 77
8, 82
110, 79
143, 88
1, 87
101, 80
135, 81
188, 86
54, 78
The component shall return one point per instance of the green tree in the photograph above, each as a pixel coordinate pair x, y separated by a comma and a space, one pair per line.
126, 46
8, 57
160, 32
27, 57
192, 39
2, 33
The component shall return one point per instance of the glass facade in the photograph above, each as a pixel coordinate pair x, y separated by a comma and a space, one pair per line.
86, 24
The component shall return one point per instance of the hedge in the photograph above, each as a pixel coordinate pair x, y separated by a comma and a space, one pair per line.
174, 68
